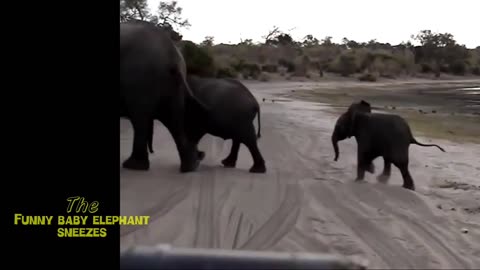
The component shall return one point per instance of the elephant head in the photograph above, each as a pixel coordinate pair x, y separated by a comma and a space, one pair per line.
344, 127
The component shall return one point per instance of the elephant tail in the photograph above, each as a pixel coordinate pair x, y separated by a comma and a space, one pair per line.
414, 141
150, 137
181, 75
258, 119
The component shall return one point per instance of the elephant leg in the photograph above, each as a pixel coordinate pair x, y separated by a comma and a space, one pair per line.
195, 140
187, 149
400, 160
364, 163
138, 160
231, 160
387, 170
200, 155
407, 178
251, 142
371, 168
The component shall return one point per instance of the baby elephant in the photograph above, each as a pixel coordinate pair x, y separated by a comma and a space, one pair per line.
231, 111
385, 135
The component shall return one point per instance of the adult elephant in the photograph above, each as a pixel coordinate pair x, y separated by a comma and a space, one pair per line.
153, 81
232, 109
377, 134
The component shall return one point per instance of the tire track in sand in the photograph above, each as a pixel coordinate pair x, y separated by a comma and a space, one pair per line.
352, 214
205, 227
418, 231
279, 223
161, 208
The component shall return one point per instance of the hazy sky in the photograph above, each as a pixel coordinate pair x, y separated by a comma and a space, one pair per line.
361, 20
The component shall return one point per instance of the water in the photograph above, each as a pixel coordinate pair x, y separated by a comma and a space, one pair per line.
471, 90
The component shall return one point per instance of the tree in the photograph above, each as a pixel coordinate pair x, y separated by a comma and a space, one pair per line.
247, 42
350, 44
207, 42
442, 51
327, 41
309, 41
134, 9
277, 37
168, 17
169, 13
272, 34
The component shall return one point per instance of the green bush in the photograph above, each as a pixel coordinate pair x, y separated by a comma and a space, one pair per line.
226, 73
198, 60
246, 69
476, 70
458, 67
252, 70
272, 68
367, 77
425, 68
288, 64
346, 65
264, 77
238, 65
444, 68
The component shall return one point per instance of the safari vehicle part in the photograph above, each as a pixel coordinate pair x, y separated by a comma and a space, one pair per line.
166, 257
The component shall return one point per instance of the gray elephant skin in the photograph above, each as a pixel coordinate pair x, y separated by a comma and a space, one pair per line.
377, 134
231, 112
153, 81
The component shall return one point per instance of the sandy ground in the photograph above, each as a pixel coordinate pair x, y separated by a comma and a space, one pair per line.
306, 201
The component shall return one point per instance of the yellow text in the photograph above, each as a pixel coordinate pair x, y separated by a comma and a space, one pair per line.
20, 219
82, 232
82, 205
120, 220
72, 220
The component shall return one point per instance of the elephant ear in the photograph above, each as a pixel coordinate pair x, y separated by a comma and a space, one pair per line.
366, 106
363, 102
352, 123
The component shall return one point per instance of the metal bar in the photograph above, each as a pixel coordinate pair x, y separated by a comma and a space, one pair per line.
165, 257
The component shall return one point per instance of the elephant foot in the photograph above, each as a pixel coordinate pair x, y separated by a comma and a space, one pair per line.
201, 155
358, 179
229, 163
371, 168
410, 187
258, 168
382, 178
189, 167
135, 164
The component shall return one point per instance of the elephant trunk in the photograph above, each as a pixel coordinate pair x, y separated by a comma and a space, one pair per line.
335, 144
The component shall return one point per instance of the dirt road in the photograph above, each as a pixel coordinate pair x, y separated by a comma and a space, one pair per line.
306, 201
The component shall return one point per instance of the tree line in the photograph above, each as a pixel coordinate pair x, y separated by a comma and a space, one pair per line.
278, 52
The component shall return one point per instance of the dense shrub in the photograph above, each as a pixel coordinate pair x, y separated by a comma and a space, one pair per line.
246, 69
238, 65
367, 77
264, 77
380, 59
253, 70
287, 64
226, 72
272, 68
425, 68
282, 71
346, 65
458, 67
444, 68
198, 60
476, 70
